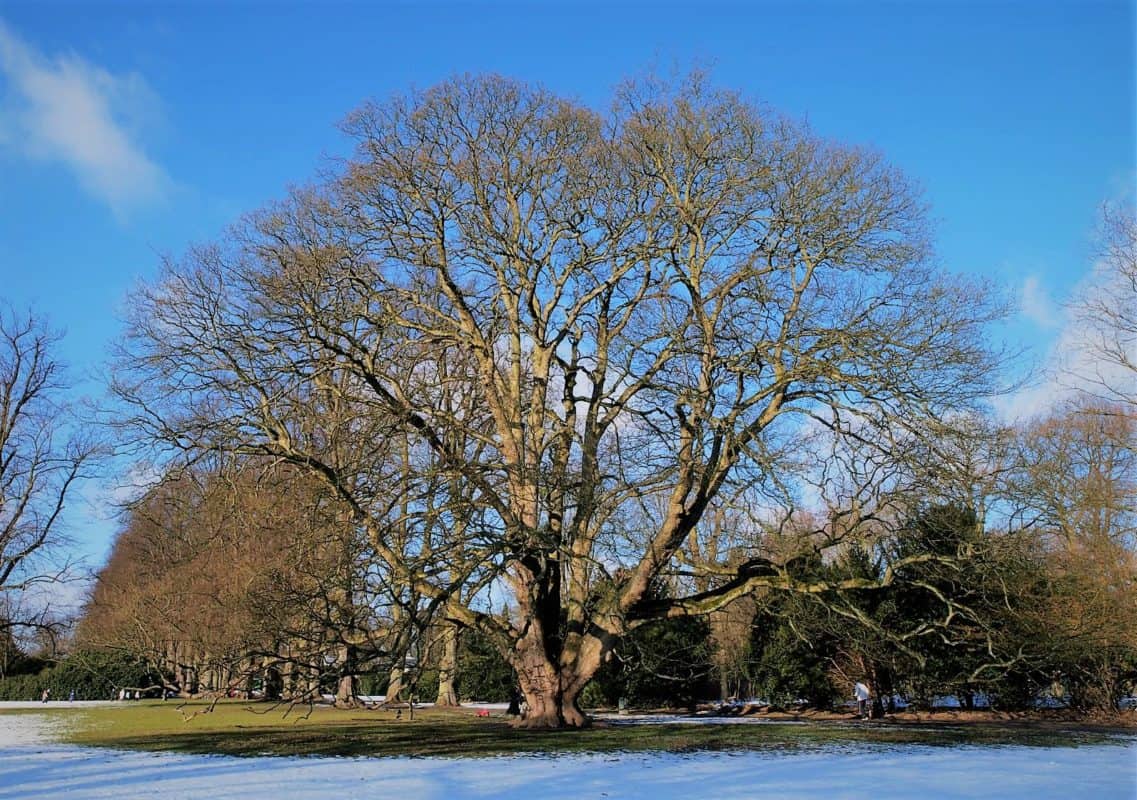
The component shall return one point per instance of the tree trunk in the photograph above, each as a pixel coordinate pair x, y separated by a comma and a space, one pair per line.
345, 692
395, 685
448, 667
550, 711
551, 707
346, 688
551, 691
273, 682
288, 680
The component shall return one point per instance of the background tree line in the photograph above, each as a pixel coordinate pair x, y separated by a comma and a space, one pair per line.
229, 584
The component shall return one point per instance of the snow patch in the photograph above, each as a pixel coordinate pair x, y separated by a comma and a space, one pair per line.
33, 767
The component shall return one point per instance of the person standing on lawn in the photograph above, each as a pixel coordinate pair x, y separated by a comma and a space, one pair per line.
862, 693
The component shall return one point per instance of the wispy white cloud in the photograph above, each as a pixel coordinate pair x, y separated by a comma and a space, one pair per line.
68, 110
1075, 362
1036, 304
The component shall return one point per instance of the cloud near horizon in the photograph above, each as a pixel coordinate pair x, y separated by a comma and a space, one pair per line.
67, 110
1074, 363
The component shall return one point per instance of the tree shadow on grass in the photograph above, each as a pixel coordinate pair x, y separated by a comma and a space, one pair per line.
448, 739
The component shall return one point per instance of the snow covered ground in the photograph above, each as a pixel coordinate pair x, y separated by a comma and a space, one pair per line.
33, 765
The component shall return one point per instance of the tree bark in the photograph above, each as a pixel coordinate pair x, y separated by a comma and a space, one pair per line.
550, 706
345, 692
448, 667
395, 685
551, 689
346, 687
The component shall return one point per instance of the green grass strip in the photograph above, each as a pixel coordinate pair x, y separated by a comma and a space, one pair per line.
241, 729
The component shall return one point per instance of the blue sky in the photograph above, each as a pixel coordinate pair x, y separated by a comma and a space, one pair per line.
129, 130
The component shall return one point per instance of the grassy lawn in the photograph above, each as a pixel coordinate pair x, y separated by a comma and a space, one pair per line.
238, 728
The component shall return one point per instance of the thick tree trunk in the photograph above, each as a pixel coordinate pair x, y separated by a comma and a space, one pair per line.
551, 709
550, 706
448, 667
551, 691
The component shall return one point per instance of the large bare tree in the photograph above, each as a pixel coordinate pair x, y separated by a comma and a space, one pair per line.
42, 456
596, 329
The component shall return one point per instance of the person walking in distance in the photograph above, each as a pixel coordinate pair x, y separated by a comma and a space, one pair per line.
862, 693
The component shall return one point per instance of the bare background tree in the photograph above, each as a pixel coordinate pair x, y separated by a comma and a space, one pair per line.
232, 577
1108, 312
1074, 491
42, 456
